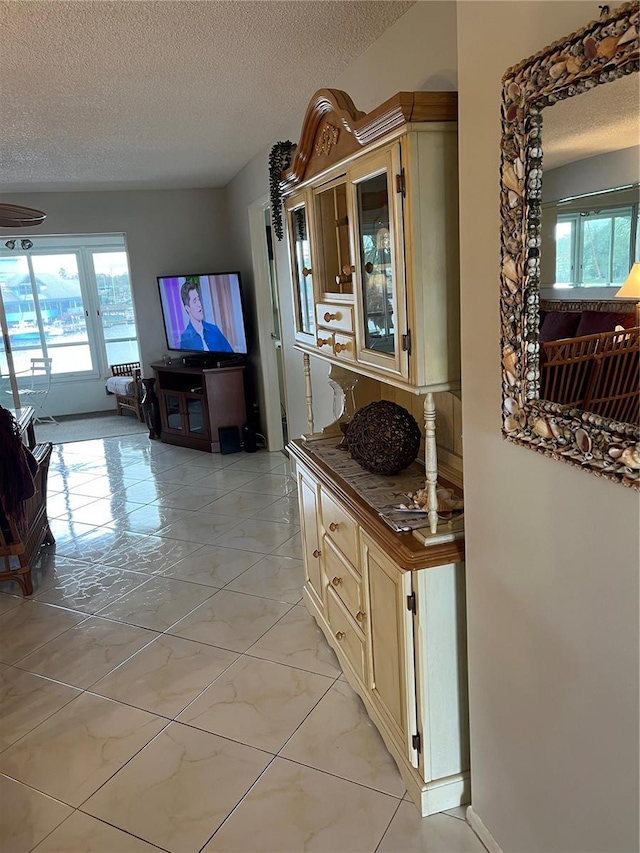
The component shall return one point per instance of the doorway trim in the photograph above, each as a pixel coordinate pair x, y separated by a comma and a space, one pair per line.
268, 367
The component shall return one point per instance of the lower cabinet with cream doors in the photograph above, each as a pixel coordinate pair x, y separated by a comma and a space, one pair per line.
393, 611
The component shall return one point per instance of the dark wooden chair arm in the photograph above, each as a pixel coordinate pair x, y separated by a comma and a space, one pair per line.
20, 544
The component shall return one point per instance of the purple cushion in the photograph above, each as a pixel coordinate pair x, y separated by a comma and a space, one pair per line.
595, 322
558, 324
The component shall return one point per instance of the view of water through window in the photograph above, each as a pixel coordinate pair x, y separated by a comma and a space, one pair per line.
72, 305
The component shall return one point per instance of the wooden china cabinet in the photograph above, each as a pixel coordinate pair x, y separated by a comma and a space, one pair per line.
371, 216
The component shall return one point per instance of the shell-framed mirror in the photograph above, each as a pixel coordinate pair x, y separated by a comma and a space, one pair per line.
569, 382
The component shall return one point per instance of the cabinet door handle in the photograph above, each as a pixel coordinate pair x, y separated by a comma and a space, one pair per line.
307, 271
316, 553
336, 581
329, 317
324, 342
334, 526
341, 347
360, 616
368, 267
339, 635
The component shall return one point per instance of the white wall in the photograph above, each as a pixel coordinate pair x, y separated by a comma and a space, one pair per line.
167, 231
417, 53
552, 553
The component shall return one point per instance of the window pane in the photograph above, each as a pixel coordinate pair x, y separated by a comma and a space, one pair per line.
121, 352
621, 248
564, 253
70, 358
17, 297
596, 251
63, 313
116, 304
637, 258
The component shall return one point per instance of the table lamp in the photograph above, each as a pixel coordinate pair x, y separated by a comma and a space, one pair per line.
631, 288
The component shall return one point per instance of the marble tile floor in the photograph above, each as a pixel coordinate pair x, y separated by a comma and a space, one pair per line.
165, 689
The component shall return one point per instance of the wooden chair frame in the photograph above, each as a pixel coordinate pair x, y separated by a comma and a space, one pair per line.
133, 369
19, 545
596, 373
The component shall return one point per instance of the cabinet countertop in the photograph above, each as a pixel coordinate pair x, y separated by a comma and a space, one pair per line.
406, 551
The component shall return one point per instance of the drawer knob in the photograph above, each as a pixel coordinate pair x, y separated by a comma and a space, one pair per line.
336, 581
340, 635
329, 317
360, 616
316, 553
324, 342
333, 526
306, 271
341, 347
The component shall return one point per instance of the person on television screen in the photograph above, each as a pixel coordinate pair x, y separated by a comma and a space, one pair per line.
199, 335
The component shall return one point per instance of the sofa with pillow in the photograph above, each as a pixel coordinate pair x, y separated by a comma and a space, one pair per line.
590, 356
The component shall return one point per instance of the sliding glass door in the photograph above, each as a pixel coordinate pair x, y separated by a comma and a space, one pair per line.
67, 299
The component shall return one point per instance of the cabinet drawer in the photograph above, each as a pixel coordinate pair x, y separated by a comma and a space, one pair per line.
340, 528
335, 316
345, 582
344, 347
324, 341
345, 632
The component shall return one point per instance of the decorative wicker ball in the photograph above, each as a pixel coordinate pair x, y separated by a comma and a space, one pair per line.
383, 437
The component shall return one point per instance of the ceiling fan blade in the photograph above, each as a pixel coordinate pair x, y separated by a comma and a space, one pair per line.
16, 216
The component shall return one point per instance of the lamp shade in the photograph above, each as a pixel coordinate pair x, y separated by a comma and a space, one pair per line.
631, 288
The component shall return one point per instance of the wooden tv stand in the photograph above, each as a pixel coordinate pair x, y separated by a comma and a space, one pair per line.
197, 401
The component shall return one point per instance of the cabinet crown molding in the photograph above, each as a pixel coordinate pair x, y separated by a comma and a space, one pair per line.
333, 128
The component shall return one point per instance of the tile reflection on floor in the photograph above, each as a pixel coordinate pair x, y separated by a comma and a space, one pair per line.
165, 689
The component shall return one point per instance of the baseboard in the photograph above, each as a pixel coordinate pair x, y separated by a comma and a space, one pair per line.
482, 832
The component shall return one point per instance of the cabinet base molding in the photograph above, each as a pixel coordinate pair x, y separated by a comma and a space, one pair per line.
428, 797
482, 832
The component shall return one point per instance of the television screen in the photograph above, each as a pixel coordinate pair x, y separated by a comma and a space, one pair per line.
203, 313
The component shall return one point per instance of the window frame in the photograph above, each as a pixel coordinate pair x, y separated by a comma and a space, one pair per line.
84, 247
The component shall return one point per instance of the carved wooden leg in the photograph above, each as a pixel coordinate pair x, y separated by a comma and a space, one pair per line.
308, 395
28, 583
431, 460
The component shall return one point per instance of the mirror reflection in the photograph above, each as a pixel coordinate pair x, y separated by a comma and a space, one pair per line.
588, 334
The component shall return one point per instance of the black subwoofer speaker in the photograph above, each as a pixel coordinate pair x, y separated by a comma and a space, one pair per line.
229, 438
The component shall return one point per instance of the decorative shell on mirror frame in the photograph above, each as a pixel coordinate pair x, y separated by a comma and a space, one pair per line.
603, 51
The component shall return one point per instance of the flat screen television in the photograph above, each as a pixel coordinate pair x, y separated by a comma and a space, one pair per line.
203, 313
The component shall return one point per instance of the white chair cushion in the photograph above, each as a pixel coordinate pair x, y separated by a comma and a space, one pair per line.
123, 385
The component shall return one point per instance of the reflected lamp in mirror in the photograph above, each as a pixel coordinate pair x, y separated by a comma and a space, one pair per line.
631, 288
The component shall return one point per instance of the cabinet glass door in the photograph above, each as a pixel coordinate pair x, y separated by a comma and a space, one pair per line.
195, 420
173, 411
302, 269
377, 264
332, 223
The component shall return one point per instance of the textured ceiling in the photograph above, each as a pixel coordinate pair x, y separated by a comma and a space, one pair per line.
165, 94
607, 118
